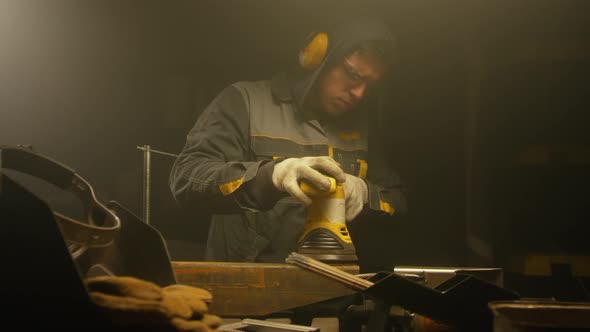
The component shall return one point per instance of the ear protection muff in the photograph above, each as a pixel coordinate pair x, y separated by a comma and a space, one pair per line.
314, 51
101, 225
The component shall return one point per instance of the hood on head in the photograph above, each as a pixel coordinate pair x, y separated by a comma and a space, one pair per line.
341, 38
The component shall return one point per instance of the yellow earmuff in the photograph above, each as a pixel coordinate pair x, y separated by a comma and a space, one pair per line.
314, 51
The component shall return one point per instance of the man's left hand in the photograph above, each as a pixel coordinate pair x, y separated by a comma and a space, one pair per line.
356, 194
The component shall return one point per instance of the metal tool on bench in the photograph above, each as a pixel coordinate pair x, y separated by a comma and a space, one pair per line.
257, 325
460, 301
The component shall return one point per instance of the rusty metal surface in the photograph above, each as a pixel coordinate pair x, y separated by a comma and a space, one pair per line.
258, 289
533, 316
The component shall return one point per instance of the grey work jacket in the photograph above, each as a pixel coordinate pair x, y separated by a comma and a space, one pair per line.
226, 168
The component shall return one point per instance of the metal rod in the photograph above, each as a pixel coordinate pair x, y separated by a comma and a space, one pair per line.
146, 183
143, 148
147, 152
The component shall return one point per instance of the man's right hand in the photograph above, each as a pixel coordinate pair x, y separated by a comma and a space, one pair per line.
290, 172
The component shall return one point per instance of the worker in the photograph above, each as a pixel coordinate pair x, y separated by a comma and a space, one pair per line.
244, 159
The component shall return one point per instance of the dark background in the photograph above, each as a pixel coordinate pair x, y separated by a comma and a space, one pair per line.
486, 121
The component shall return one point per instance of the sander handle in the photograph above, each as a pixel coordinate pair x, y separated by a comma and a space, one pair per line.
312, 191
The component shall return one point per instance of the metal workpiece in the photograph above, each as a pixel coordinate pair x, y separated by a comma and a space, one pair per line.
540, 315
259, 289
434, 276
258, 325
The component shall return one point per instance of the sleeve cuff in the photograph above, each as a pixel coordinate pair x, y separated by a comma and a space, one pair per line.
258, 191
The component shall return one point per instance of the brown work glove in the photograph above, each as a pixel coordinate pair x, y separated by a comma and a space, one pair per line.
135, 304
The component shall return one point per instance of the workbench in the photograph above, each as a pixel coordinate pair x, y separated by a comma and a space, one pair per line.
259, 289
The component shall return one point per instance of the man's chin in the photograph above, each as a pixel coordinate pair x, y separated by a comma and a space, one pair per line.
336, 111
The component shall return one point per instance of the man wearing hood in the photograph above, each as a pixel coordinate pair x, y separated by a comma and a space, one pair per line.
248, 152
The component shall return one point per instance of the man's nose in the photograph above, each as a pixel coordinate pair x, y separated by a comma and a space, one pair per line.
358, 91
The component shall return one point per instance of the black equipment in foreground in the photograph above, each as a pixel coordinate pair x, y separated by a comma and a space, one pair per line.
461, 301
46, 255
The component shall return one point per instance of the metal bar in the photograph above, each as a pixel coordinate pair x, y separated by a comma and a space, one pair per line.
146, 183
147, 151
251, 290
158, 151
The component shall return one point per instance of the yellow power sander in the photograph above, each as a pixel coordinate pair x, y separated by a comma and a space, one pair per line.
325, 235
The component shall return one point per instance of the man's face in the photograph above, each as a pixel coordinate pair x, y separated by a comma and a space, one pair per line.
344, 85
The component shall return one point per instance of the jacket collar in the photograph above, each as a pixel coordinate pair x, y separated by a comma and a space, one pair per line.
287, 88
281, 89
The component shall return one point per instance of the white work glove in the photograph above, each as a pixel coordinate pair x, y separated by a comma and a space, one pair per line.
289, 173
356, 195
